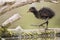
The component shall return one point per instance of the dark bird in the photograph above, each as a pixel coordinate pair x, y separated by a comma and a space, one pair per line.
44, 13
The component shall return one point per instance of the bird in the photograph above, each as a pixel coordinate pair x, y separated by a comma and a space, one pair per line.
44, 13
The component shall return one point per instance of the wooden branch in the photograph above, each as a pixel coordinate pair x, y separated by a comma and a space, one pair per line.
16, 5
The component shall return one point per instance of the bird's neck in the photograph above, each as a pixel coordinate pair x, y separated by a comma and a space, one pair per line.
36, 14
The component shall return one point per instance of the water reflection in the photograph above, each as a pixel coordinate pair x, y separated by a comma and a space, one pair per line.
56, 38
34, 36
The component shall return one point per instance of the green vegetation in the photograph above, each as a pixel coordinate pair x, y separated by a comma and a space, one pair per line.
5, 33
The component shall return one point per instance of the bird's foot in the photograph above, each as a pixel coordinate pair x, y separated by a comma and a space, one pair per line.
38, 25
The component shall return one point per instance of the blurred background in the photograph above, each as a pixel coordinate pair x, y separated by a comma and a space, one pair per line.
28, 18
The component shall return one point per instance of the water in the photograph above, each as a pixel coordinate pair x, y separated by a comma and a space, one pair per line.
49, 35
34, 37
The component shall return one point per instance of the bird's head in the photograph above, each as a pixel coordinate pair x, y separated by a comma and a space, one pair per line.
32, 9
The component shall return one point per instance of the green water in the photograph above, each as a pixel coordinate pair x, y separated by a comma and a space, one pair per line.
28, 18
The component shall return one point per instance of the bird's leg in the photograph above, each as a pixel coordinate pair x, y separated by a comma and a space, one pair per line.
42, 24
46, 22
46, 25
46, 28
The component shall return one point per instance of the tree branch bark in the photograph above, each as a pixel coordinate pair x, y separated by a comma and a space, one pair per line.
16, 5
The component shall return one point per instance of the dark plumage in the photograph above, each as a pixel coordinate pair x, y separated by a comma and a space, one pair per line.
46, 13
43, 13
